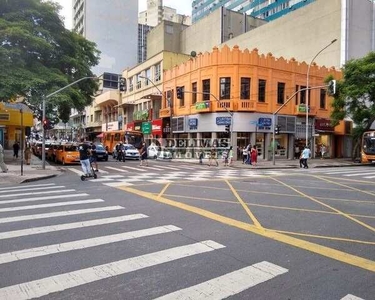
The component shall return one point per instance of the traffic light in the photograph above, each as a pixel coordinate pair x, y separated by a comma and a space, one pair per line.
180, 92
277, 129
331, 87
45, 124
122, 85
227, 128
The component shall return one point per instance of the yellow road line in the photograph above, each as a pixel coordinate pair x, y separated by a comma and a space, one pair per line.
312, 247
328, 206
266, 206
245, 207
346, 186
164, 189
323, 237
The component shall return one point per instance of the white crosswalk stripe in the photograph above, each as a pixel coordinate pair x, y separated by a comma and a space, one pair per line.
83, 244
37, 193
27, 186
48, 285
35, 189
351, 297
355, 172
44, 198
229, 284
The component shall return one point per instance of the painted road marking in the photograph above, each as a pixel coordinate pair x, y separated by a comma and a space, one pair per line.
229, 284
37, 193
83, 244
117, 169
44, 198
27, 207
351, 297
57, 283
27, 186
34, 188
59, 214
68, 226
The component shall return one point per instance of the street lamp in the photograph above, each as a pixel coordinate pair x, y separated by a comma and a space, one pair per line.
307, 89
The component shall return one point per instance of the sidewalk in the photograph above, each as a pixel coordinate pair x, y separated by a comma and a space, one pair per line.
31, 172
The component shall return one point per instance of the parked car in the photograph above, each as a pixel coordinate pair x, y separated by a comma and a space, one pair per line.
157, 152
101, 153
51, 152
130, 152
67, 154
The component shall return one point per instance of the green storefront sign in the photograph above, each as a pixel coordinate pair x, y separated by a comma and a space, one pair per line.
202, 105
146, 128
141, 115
302, 108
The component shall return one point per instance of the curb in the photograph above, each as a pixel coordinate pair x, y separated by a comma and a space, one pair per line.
39, 178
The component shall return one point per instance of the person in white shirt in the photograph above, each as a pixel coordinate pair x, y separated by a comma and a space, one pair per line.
306, 154
2, 164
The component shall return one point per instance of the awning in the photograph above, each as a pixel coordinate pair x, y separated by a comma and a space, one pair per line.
100, 135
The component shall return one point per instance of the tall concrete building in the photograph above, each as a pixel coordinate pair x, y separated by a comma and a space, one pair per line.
156, 13
113, 26
263, 9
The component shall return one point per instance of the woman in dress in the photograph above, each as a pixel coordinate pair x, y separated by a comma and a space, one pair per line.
254, 155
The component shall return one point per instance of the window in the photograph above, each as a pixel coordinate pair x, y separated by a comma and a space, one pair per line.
170, 98
322, 99
147, 75
262, 90
296, 96
245, 88
157, 73
224, 88
280, 92
182, 100
303, 95
206, 89
194, 95
92, 118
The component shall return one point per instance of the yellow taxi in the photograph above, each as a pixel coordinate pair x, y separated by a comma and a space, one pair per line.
67, 154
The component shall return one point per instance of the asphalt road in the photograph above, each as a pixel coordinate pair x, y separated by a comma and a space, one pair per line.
179, 231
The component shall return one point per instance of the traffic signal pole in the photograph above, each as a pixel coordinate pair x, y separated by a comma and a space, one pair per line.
280, 108
44, 115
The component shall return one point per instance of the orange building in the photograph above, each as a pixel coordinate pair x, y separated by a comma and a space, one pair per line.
251, 87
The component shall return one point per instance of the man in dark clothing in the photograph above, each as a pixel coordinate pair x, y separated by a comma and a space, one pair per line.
84, 157
16, 149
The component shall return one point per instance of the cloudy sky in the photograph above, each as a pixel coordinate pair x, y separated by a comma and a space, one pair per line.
182, 6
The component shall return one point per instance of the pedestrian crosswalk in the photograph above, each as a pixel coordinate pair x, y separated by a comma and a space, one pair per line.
357, 172
99, 217
161, 173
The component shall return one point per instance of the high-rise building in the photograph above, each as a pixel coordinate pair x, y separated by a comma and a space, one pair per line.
263, 9
156, 13
113, 26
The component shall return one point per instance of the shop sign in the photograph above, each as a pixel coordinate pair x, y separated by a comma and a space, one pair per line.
264, 123
129, 127
324, 125
141, 115
146, 128
110, 126
156, 127
302, 108
202, 105
223, 120
193, 124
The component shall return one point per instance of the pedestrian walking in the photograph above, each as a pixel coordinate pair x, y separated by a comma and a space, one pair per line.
2, 164
306, 154
225, 157
28, 153
213, 157
230, 156
16, 149
143, 153
244, 155
323, 151
254, 155
201, 155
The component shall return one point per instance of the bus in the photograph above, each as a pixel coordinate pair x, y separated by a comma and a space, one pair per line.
111, 138
368, 147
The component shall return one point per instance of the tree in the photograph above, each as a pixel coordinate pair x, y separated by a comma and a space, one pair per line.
39, 56
355, 97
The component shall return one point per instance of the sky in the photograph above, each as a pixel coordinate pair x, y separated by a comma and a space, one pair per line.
183, 7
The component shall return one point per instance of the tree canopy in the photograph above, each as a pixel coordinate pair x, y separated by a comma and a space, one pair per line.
355, 97
39, 56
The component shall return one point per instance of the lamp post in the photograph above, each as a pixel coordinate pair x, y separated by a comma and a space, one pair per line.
307, 89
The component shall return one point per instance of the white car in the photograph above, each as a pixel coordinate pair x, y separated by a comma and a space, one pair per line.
130, 152
157, 152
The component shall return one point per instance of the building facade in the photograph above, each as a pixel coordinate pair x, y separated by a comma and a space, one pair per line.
264, 9
251, 86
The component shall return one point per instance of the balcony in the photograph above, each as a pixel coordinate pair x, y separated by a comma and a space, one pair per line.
201, 107
223, 105
246, 105
165, 112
